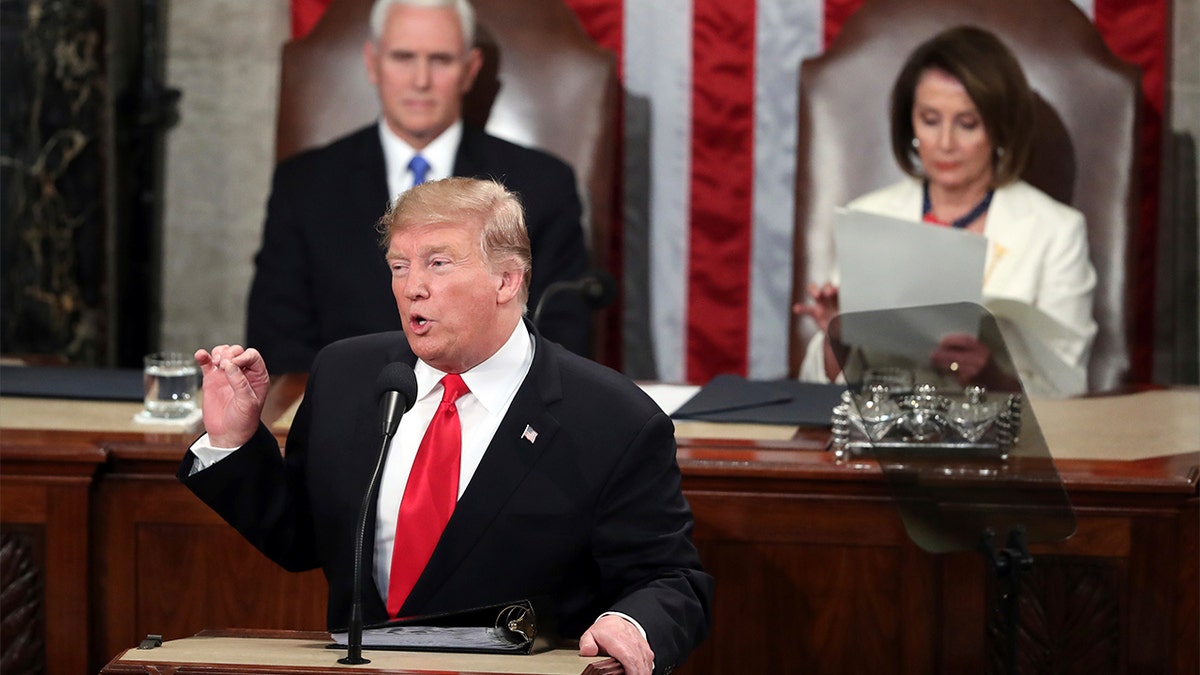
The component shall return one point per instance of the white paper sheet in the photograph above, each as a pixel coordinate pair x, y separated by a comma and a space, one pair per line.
888, 263
669, 396
1031, 336
912, 333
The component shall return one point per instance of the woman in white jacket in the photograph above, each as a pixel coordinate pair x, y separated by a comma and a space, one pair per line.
962, 128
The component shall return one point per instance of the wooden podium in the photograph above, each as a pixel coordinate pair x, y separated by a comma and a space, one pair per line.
250, 651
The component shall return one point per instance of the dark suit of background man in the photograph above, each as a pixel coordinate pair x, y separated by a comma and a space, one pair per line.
320, 274
568, 485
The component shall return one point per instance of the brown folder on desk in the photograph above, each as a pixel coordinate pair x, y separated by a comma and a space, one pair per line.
732, 398
518, 627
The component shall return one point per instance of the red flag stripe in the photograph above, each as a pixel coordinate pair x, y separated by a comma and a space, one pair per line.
836, 13
305, 14
722, 173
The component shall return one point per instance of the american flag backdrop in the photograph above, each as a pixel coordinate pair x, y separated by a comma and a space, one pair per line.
718, 79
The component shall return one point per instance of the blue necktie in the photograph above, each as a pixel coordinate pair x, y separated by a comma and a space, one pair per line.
419, 167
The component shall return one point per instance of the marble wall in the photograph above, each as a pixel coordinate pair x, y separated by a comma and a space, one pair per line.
224, 54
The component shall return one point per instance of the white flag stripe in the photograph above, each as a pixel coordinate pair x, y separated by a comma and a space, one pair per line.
658, 67
786, 33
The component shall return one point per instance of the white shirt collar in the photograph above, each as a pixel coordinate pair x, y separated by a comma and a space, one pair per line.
493, 381
440, 154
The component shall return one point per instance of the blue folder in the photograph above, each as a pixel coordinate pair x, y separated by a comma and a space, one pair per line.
75, 382
732, 398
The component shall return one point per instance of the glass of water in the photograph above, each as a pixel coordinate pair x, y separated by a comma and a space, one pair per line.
171, 382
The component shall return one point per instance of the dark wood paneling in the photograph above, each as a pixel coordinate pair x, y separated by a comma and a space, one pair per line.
22, 599
172, 567
47, 493
813, 567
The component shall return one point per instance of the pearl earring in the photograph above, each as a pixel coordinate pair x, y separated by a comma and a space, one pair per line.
916, 142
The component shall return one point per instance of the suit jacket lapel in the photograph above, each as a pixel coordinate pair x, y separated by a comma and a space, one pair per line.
1009, 228
366, 437
907, 203
368, 176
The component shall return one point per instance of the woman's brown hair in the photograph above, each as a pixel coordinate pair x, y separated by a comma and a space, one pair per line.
996, 84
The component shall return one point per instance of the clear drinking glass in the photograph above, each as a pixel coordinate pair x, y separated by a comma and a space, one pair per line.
171, 382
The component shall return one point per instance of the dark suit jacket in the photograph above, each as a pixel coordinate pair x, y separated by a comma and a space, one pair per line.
321, 276
590, 513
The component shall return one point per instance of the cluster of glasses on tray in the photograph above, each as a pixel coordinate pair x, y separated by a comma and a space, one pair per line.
890, 414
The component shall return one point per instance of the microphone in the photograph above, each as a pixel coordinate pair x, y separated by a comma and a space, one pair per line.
396, 389
597, 288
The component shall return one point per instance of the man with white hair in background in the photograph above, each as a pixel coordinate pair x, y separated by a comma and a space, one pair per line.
319, 275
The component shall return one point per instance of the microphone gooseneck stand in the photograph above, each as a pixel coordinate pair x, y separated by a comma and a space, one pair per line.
1008, 564
398, 389
597, 289
354, 655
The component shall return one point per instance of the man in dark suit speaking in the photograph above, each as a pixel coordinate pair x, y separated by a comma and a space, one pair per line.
319, 275
564, 471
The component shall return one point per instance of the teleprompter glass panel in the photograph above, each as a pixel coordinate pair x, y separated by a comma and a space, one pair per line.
934, 398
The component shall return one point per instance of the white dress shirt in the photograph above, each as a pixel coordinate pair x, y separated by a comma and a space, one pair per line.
492, 385
440, 154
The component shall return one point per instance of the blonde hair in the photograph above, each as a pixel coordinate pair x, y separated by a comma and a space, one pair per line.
486, 204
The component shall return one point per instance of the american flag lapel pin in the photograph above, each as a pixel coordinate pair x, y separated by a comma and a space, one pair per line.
529, 434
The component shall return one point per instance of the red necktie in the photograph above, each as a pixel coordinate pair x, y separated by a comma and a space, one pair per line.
429, 496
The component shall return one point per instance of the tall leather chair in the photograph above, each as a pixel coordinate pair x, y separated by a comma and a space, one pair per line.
544, 84
1085, 148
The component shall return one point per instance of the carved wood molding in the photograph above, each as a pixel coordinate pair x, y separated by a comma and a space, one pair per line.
22, 611
1069, 618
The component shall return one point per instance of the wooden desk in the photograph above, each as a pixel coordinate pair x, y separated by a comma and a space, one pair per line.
813, 567
45, 510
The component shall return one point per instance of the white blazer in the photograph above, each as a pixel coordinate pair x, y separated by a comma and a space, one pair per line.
1037, 254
